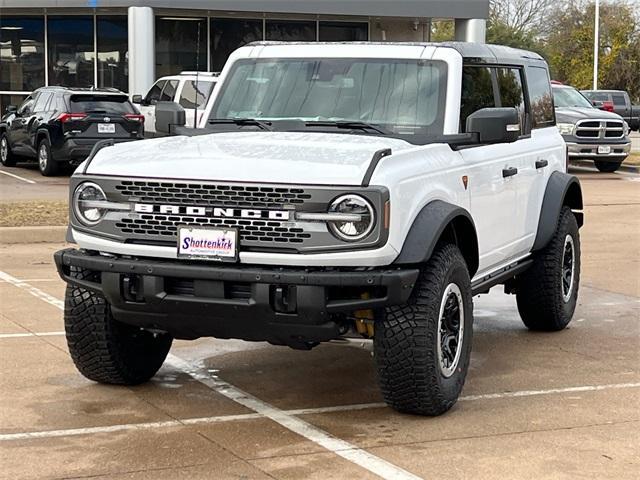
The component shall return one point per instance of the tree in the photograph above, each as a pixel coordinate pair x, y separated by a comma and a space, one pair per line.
522, 16
562, 31
569, 48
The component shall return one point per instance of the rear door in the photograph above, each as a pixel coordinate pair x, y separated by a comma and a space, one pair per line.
98, 116
38, 117
194, 97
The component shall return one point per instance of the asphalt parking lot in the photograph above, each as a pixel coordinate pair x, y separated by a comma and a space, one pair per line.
563, 405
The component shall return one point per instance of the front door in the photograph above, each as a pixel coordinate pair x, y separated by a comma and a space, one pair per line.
17, 128
148, 106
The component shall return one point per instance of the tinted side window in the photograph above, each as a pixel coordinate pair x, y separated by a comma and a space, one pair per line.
169, 91
511, 92
154, 94
190, 97
41, 102
540, 97
619, 100
477, 92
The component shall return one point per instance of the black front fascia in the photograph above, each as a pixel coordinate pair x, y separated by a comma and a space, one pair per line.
284, 306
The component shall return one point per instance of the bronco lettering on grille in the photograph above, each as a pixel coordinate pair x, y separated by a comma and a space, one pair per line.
280, 215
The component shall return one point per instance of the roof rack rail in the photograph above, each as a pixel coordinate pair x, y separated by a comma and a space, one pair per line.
193, 72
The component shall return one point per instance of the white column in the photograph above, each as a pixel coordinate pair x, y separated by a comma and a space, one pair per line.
142, 53
471, 30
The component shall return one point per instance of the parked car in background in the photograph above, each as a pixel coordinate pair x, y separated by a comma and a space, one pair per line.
590, 133
60, 125
621, 103
192, 90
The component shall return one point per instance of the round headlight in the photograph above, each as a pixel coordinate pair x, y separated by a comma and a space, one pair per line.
84, 199
352, 231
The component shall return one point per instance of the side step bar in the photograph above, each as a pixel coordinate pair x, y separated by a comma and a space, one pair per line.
483, 285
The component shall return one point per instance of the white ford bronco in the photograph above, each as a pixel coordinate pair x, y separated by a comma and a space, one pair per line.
336, 191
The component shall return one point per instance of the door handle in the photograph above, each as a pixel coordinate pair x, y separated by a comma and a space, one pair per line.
509, 172
541, 164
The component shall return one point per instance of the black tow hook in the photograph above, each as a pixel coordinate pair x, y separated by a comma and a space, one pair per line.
131, 288
284, 298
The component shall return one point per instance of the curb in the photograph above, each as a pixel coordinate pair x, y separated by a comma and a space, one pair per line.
12, 235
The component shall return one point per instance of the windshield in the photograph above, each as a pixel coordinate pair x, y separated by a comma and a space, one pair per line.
404, 96
567, 97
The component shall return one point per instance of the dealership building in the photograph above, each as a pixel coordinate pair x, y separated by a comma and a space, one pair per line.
128, 44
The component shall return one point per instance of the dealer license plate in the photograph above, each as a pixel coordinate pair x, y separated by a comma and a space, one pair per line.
604, 149
208, 243
106, 128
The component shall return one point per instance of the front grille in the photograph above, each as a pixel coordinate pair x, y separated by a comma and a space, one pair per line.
603, 129
197, 194
252, 231
166, 227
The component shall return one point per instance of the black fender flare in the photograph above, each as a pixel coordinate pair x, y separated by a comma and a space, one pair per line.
562, 189
39, 133
437, 219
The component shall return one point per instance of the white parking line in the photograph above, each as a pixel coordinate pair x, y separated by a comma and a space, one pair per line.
295, 412
37, 280
30, 334
346, 450
262, 409
36, 292
18, 177
342, 448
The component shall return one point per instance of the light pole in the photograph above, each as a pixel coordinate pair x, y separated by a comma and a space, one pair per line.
596, 45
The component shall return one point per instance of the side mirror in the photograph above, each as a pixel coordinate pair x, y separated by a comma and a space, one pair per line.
495, 125
169, 115
12, 109
137, 99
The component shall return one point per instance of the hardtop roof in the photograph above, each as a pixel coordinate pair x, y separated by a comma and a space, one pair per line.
471, 52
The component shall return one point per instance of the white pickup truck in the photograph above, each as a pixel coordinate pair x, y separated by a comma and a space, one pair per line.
334, 191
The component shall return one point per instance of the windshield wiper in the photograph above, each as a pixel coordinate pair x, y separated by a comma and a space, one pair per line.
241, 121
350, 125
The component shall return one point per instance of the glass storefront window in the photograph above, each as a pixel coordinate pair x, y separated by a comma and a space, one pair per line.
291, 30
21, 53
344, 32
177, 45
113, 46
71, 57
227, 34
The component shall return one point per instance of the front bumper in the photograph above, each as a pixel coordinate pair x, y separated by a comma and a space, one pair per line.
590, 150
284, 306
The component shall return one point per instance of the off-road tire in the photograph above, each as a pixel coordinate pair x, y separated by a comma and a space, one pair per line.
103, 349
540, 296
607, 167
8, 158
406, 340
51, 167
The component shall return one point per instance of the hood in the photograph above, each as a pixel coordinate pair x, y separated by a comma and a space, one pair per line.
270, 157
572, 115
